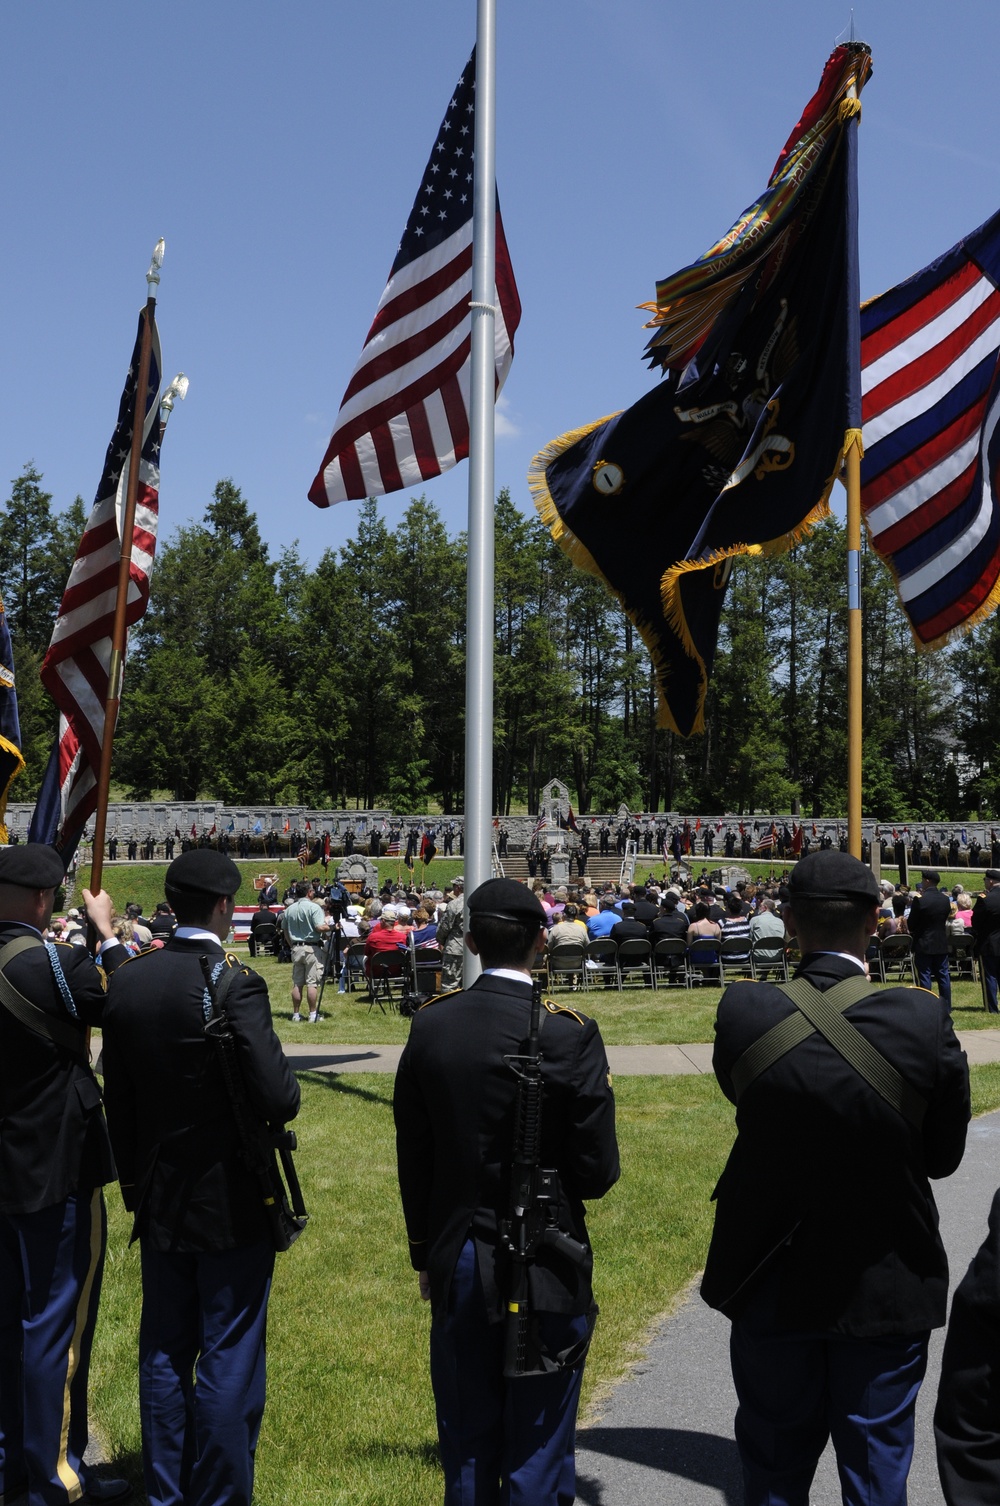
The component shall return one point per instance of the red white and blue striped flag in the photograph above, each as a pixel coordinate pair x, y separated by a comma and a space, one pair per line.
76, 668
405, 415
931, 406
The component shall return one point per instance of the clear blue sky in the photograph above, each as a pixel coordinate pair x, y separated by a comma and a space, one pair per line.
278, 150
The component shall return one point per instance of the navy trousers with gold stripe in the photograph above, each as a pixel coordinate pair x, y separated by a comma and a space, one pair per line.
50, 1281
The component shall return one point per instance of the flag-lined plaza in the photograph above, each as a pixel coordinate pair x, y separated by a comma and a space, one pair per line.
637, 838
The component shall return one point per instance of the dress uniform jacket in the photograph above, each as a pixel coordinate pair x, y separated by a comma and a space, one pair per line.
170, 1117
454, 1107
826, 1187
54, 1138
986, 922
927, 923
967, 1416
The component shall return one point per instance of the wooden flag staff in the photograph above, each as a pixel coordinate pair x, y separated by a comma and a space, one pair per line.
120, 630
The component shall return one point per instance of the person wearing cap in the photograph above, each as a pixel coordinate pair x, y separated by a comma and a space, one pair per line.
206, 1248
986, 936
927, 923
455, 1109
73, 931
450, 937
55, 1158
825, 1252
303, 924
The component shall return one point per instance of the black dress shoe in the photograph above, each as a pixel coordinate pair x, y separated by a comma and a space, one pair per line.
102, 1492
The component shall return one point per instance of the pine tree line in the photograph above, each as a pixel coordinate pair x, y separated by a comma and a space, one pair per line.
255, 679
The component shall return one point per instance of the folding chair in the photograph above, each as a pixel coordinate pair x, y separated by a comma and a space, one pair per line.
635, 956
540, 968
670, 962
768, 954
263, 938
962, 958
896, 955
734, 959
428, 969
385, 978
703, 960
354, 956
602, 962
566, 963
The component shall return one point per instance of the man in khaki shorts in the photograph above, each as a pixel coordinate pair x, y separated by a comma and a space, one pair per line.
303, 924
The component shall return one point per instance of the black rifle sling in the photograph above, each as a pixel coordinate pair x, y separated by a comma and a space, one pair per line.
59, 1032
241, 1105
823, 1011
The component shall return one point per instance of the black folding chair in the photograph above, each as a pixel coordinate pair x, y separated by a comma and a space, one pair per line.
703, 960
734, 959
962, 958
670, 963
768, 954
896, 955
566, 963
602, 962
263, 938
385, 978
635, 956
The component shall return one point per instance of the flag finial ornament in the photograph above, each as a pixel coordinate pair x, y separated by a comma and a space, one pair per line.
153, 275
178, 389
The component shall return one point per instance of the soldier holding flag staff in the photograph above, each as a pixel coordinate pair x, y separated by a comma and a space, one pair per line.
54, 1160
455, 1108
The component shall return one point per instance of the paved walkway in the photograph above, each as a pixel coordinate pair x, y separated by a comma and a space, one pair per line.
666, 1433
625, 1061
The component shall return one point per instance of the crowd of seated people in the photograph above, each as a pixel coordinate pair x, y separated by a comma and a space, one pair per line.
696, 912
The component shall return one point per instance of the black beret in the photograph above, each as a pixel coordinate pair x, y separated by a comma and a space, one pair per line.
31, 865
931, 875
506, 899
831, 875
205, 871
993, 874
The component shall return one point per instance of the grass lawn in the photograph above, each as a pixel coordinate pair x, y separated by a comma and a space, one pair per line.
765, 868
636, 1016
143, 882
350, 1416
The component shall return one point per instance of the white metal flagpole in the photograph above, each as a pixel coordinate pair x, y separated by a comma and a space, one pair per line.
479, 614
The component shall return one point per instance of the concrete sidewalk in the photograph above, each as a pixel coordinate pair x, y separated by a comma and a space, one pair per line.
666, 1434
625, 1061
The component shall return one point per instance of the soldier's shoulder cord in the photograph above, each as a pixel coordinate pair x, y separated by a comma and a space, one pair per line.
553, 1007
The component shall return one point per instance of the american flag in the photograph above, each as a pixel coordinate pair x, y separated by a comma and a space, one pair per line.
405, 415
931, 407
76, 668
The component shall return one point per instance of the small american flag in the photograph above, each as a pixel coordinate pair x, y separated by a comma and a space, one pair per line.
303, 854
76, 668
405, 415
931, 406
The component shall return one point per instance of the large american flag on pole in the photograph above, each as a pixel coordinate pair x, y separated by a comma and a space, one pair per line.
931, 406
405, 415
76, 667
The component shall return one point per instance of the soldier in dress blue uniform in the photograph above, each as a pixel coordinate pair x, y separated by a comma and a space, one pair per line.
54, 1160
826, 1253
509, 1440
207, 1251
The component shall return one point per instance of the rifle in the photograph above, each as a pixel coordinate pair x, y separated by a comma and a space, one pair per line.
534, 1210
259, 1144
